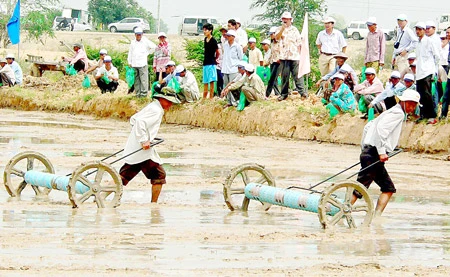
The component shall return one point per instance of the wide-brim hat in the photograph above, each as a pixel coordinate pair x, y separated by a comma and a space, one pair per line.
410, 95
341, 55
169, 96
77, 45
2, 60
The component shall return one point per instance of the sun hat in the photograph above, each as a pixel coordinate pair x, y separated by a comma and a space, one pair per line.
272, 30
409, 77
168, 95
162, 34
2, 60
138, 31
107, 59
231, 33
420, 25
345, 68
249, 67
430, 23
9, 56
223, 27
250, 40
103, 51
266, 41
371, 21
370, 70
180, 68
328, 20
286, 15
443, 34
338, 76
77, 45
402, 17
242, 64
170, 63
341, 55
395, 74
412, 56
410, 95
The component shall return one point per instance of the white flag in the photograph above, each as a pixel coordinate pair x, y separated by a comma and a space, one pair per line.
305, 63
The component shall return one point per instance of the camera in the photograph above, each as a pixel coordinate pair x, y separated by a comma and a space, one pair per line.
396, 44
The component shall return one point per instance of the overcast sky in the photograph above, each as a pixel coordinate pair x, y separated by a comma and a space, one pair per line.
386, 11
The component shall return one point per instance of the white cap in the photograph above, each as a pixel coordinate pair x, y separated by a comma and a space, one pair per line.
412, 56
252, 40
286, 15
138, 30
430, 23
410, 95
180, 68
249, 67
103, 51
9, 56
420, 25
266, 41
170, 63
402, 17
237, 19
409, 76
443, 34
371, 21
338, 76
242, 64
272, 30
107, 59
162, 34
231, 33
329, 19
345, 68
224, 27
395, 74
370, 70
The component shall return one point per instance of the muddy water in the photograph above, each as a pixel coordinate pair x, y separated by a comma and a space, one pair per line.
191, 231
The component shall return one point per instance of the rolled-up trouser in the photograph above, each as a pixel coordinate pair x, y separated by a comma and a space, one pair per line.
288, 67
423, 87
273, 80
233, 97
252, 94
141, 80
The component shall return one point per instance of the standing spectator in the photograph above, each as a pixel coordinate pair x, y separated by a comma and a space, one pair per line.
444, 51
211, 58
427, 62
15, 67
290, 39
99, 64
162, 55
224, 31
107, 76
72, 24
375, 45
79, 60
7, 76
255, 55
329, 42
405, 43
393, 88
188, 84
274, 64
411, 59
265, 44
446, 99
430, 31
369, 89
232, 54
138, 53
241, 35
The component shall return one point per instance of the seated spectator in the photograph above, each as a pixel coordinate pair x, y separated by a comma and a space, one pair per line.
251, 85
369, 89
189, 88
413, 67
342, 99
7, 74
340, 62
409, 82
107, 76
411, 59
393, 87
79, 60
232, 96
255, 56
163, 82
99, 64
350, 76
15, 67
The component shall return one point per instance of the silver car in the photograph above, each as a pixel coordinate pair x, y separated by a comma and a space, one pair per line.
128, 24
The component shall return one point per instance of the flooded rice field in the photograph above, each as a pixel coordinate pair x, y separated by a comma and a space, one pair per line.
191, 231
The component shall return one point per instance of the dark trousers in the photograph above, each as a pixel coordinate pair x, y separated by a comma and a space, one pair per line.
273, 80
446, 100
104, 87
6, 81
423, 87
219, 81
288, 68
79, 65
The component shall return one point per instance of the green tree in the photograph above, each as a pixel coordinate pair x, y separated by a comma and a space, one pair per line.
298, 9
38, 25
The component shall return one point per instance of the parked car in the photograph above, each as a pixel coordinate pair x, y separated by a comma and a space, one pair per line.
358, 30
128, 24
83, 26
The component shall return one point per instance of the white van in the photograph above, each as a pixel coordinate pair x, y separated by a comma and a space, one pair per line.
193, 25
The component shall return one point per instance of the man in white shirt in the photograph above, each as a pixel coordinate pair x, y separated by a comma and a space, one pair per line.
188, 84
405, 43
144, 129
393, 87
241, 35
380, 137
255, 55
138, 53
107, 76
15, 67
426, 69
232, 55
7, 74
329, 42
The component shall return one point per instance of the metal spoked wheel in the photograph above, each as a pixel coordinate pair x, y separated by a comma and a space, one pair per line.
15, 170
105, 185
239, 177
335, 205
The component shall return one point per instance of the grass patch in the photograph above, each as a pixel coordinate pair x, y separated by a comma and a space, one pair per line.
88, 97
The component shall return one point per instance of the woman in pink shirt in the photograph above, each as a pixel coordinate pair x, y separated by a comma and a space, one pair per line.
161, 56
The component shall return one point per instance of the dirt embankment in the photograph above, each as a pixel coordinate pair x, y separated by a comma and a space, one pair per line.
294, 118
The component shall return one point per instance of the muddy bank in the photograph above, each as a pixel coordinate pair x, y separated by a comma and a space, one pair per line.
294, 118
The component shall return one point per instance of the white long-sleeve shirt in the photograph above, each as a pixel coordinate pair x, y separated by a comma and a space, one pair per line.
189, 83
18, 74
389, 91
384, 131
428, 57
139, 51
144, 127
408, 40
9, 72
